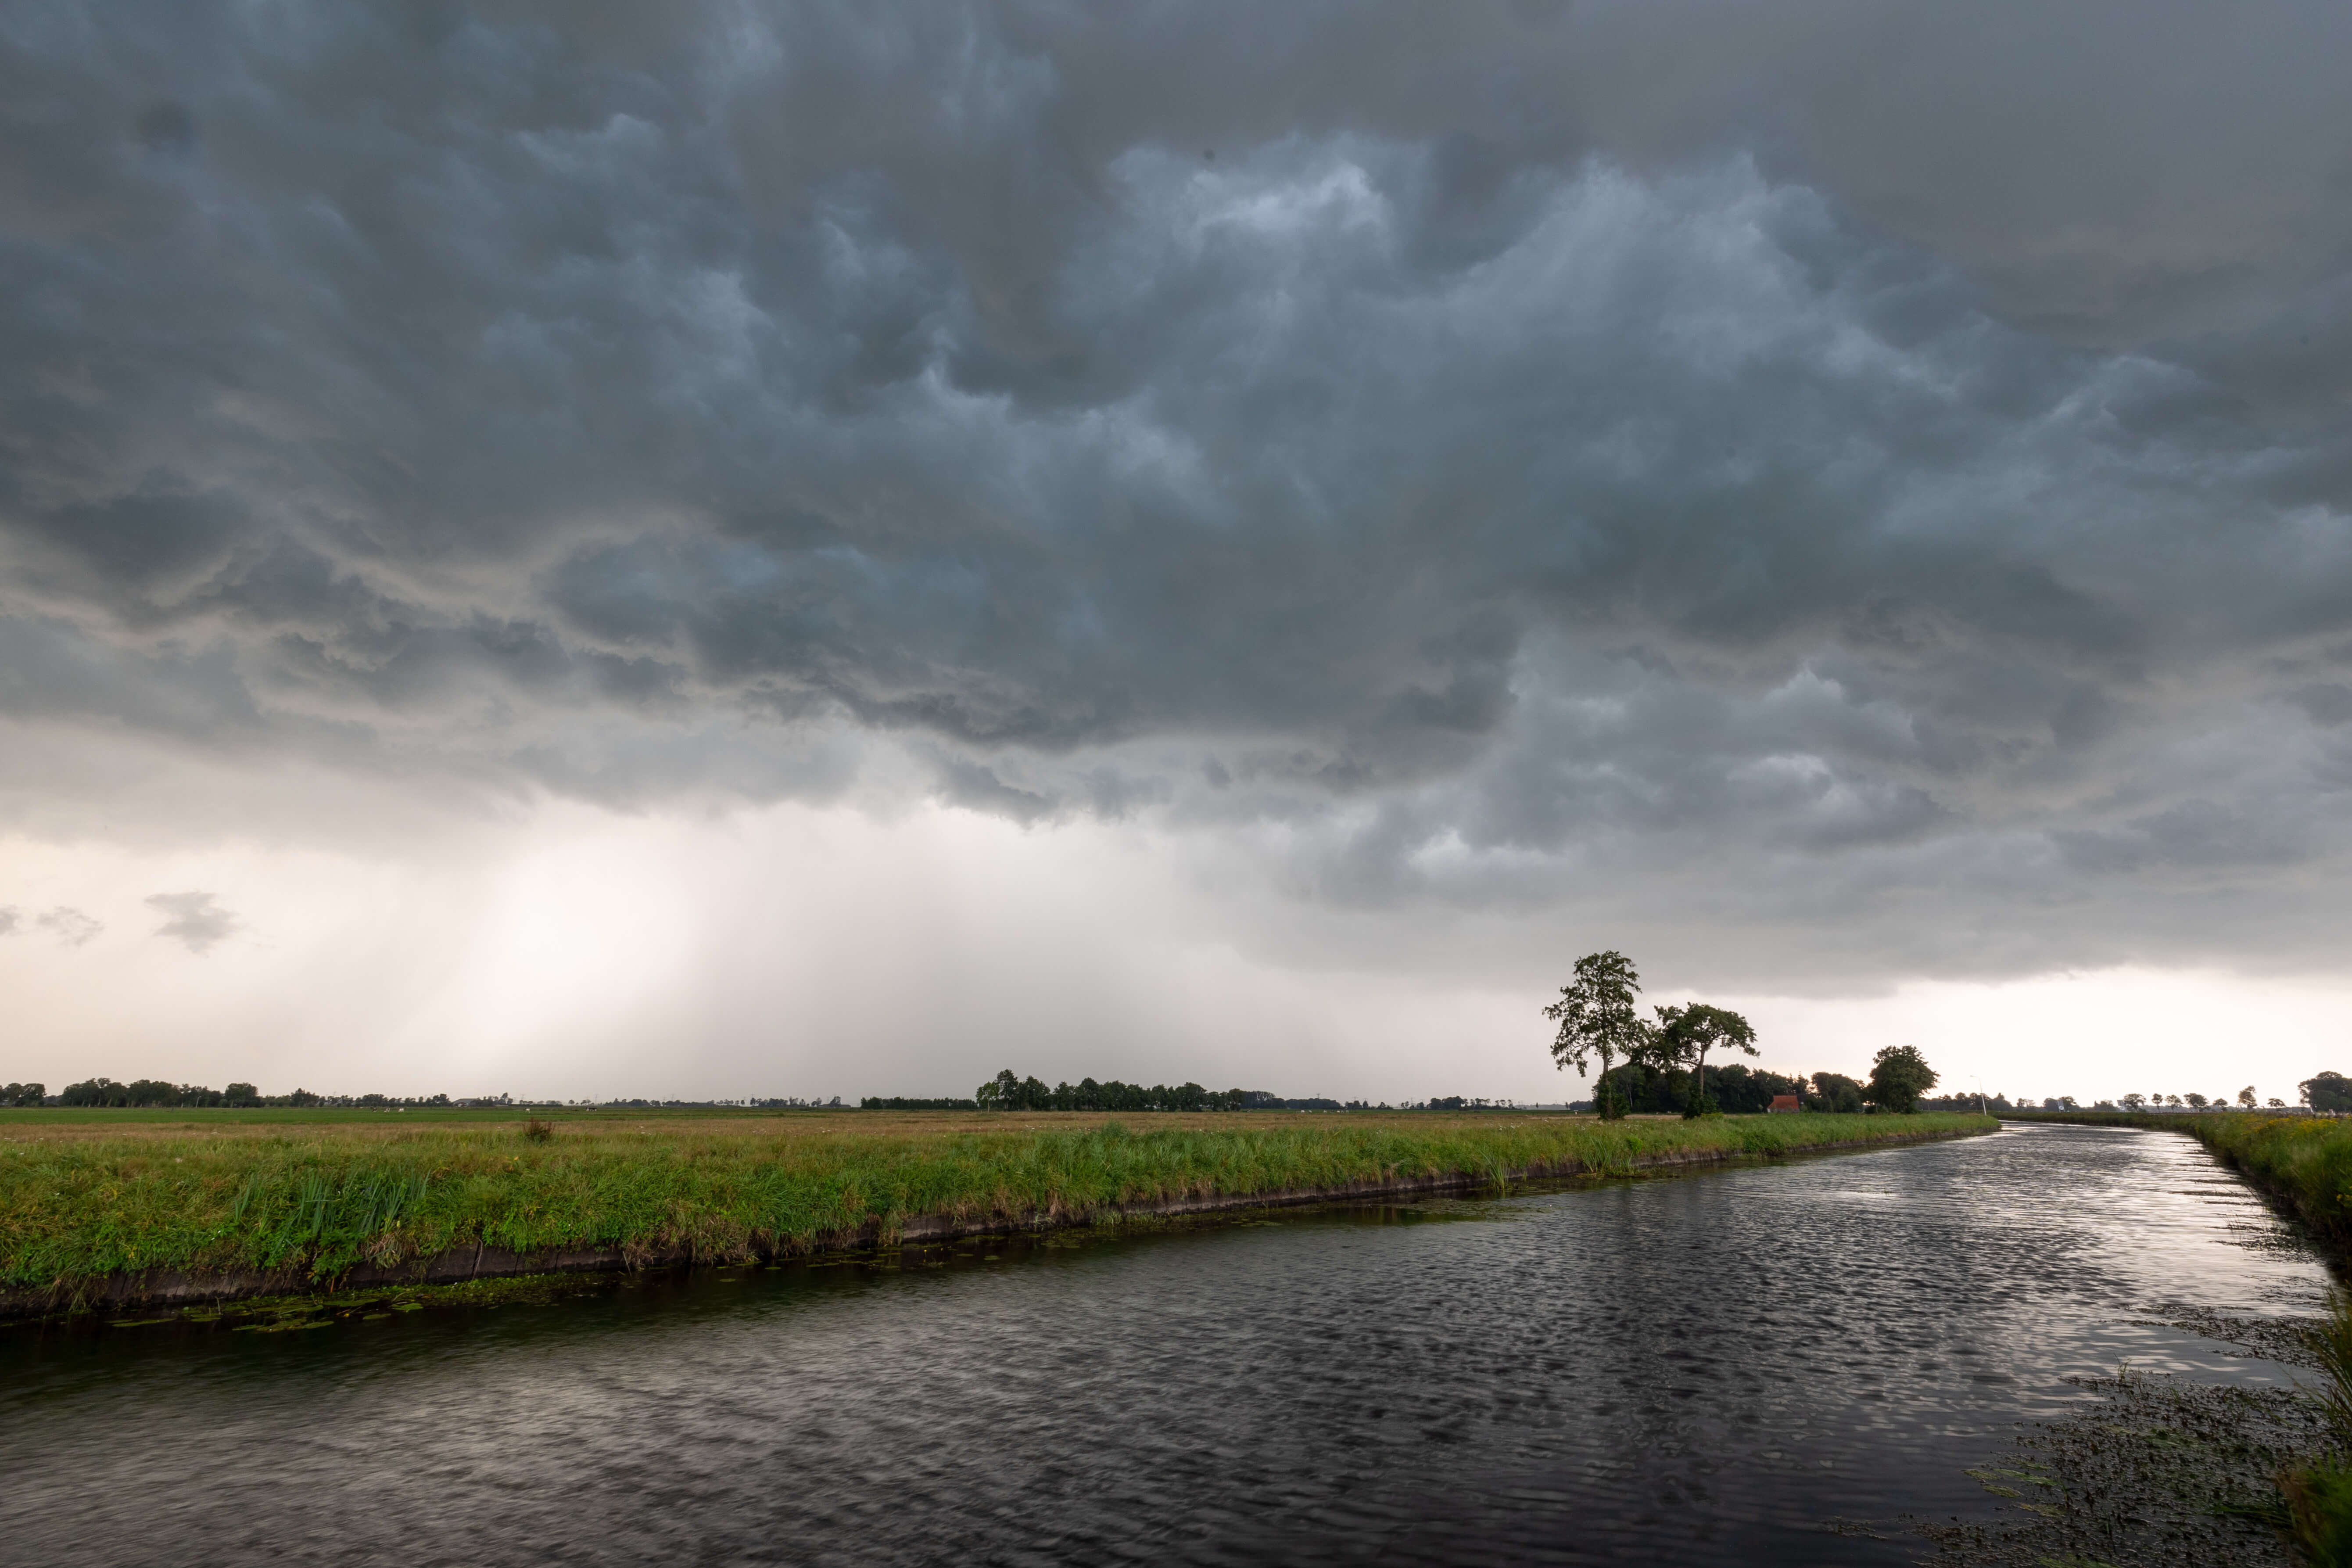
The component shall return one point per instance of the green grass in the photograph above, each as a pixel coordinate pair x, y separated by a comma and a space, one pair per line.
80, 1200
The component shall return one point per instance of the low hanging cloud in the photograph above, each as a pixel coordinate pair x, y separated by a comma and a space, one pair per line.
1484, 481
197, 920
69, 926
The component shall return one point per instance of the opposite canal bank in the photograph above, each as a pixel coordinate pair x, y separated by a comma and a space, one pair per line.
97, 1213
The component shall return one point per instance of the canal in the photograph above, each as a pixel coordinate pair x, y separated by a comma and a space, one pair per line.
1766, 1365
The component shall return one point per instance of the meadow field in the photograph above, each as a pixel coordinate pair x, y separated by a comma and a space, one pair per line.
309, 1196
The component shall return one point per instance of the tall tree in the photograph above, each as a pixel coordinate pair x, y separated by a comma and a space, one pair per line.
1597, 1017
2246, 1097
1687, 1034
1899, 1074
1835, 1091
2329, 1092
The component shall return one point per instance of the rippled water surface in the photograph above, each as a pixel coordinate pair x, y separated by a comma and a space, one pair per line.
1705, 1369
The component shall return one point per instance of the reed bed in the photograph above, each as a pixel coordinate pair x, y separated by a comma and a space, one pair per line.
81, 1204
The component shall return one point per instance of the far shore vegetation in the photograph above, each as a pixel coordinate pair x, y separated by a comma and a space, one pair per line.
1658, 1065
84, 1197
108, 1179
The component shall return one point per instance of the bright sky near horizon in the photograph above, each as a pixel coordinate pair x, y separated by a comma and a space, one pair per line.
761, 550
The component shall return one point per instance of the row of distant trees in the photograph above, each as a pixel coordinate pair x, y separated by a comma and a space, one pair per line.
1736, 1090
155, 1091
1010, 1092
2246, 1101
2330, 1092
2324, 1091
1664, 1057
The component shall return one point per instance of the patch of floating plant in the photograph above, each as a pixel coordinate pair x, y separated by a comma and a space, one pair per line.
2286, 1340
1492, 1208
2153, 1471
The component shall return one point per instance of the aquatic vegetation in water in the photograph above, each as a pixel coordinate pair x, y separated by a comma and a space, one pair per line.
2157, 1471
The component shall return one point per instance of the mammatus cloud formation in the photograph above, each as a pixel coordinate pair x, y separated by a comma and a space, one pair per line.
1461, 466
196, 920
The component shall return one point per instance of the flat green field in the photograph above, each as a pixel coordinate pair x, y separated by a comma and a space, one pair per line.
85, 1196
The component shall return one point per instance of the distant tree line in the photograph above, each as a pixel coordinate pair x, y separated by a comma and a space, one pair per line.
1644, 1088
153, 1091
104, 1092
1010, 1092
1992, 1104
156, 1092
1658, 1065
1030, 1094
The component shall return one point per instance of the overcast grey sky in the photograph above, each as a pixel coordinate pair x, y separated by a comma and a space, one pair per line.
1830, 498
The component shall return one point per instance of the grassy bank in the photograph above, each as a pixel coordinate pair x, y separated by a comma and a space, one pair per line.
86, 1200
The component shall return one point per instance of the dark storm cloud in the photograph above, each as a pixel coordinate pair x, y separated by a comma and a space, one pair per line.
197, 920
1821, 446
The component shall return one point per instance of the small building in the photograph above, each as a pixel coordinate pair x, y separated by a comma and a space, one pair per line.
1784, 1102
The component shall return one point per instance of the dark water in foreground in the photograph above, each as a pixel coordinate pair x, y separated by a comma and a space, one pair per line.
1698, 1369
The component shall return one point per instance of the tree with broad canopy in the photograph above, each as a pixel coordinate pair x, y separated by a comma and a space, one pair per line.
2329, 1092
1688, 1033
1899, 1074
1597, 1018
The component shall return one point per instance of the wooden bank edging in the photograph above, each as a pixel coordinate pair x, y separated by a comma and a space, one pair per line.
179, 1288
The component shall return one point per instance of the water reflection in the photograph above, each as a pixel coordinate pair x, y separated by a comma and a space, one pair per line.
1705, 1369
